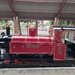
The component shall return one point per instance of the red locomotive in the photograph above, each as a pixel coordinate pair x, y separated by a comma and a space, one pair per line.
37, 49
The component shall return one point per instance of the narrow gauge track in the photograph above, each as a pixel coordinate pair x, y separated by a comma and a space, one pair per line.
55, 64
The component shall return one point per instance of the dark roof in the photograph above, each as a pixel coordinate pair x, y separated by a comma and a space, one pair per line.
38, 9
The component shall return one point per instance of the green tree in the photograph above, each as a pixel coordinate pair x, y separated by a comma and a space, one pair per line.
27, 21
3, 23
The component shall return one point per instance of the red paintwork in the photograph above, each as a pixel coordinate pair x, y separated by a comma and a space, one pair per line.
37, 45
7, 61
59, 54
51, 45
18, 39
16, 61
30, 48
32, 32
58, 36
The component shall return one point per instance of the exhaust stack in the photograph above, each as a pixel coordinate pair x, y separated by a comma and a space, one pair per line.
8, 29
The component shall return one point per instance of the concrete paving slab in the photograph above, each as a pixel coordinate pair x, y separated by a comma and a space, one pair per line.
38, 71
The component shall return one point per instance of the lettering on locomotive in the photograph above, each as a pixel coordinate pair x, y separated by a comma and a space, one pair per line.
32, 46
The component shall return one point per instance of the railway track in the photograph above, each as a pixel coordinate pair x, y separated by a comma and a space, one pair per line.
55, 64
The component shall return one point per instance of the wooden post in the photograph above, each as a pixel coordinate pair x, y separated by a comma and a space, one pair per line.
56, 20
8, 29
42, 24
16, 26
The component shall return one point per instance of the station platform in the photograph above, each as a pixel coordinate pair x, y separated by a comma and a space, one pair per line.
39, 71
